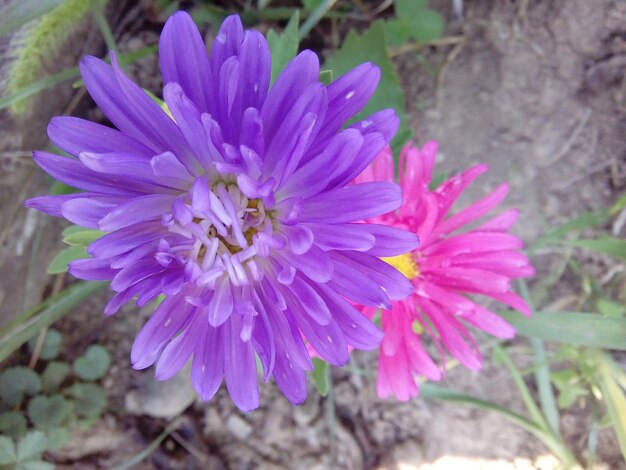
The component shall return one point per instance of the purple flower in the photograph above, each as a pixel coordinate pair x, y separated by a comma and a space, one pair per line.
237, 208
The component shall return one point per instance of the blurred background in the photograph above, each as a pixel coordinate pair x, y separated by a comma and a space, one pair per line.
534, 88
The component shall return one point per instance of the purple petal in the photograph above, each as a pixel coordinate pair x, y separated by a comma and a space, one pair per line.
87, 212
346, 97
240, 367
140, 209
208, 362
185, 60
359, 331
165, 322
360, 289
315, 264
221, 305
315, 175
342, 236
72, 172
393, 282
91, 269
352, 203
179, 350
75, 135
310, 301
133, 111
126, 239
390, 241
299, 73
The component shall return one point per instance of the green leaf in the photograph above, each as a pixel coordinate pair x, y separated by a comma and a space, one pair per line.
406, 10
90, 399
311, 5
16, 382
51, 345
30, 323
581, 222
396, 33
585, 329
431, 391
7, 451
59, 263
326, 77
94, 364
34, 465
614, 398
58, 189
609, 308
615, 247
83, 237
13, 424
53, 376
321, 376
568, 396
371, 46
31, 446
48, 412
19, 12
426, 26
284, 47
63, 76
57, 437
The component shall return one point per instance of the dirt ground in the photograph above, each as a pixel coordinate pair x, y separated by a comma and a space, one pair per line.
536, 89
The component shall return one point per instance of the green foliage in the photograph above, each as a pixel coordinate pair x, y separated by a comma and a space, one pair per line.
59, 263
321, 376
82, 237
26, 455
615, 247
53, 376
570, 387
16, 383
89, 400
12, 424
48, 412
371, 46
284, 47
420, 23
52, 405
585, 329
39, 44
92, 365
51, 345
20, 12
29, 324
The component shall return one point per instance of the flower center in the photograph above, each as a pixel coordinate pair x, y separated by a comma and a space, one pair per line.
405, 264
215, 230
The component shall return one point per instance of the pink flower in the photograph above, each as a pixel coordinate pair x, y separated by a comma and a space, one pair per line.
448, 265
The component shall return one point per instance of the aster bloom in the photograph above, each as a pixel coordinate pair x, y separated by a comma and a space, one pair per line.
448, 265
237, 206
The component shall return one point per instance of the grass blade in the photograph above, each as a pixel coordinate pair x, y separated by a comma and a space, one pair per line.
315, 16
542, 372
433, 392
613, 397
19, 12
57, 307
585, 329
615, 247
150, 448
63, 76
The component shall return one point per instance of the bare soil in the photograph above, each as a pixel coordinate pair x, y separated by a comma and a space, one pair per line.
534, 88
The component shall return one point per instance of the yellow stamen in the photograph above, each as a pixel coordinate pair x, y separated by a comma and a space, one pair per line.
405, 264
417, 327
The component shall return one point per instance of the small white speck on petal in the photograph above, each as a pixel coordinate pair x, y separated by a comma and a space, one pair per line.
350, 95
